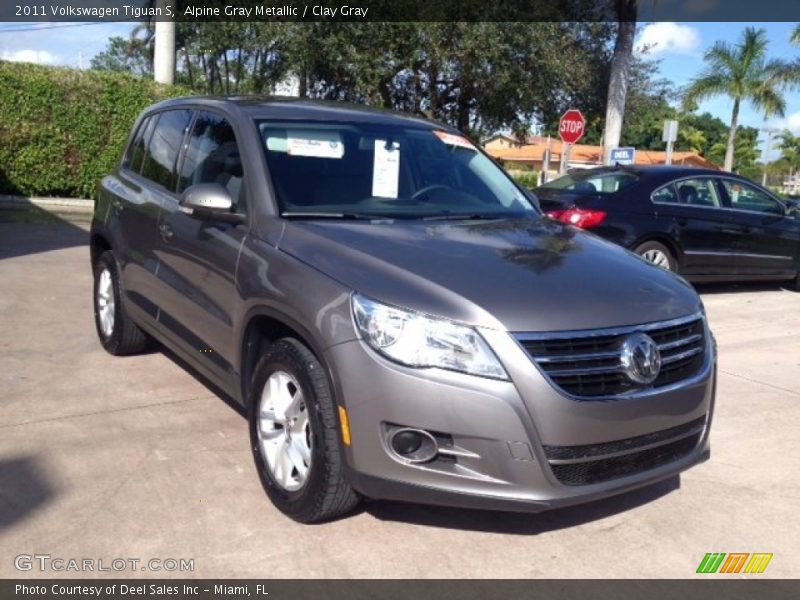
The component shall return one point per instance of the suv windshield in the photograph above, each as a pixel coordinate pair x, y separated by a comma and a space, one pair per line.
592, 182
366, 170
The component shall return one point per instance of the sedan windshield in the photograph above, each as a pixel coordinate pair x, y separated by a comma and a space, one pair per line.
592, 182
365, 171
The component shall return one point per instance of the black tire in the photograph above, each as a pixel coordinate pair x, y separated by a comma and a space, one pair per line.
795, 283
657, 247
125, 336
325, 494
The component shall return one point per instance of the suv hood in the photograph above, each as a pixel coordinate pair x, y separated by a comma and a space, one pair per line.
513, 274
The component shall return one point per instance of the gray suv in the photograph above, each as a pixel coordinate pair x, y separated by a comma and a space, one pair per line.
393, 312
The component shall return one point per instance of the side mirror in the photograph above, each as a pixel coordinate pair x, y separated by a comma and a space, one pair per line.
209, 201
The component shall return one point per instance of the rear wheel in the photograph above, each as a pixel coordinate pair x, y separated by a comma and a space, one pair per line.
294, 435
658, 254
118, 334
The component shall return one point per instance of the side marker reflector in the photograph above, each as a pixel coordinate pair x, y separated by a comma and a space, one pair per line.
345, 426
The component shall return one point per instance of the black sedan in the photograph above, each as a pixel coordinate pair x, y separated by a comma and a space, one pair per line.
706, 225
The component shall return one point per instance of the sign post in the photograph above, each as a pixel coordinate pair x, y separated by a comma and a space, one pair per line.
570, 129
669, 136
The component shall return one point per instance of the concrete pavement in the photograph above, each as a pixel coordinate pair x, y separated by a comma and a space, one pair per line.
105, 458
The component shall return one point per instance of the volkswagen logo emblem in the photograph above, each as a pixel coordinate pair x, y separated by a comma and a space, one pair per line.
641, 360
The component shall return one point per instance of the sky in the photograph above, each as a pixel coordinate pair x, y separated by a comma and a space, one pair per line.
678, 48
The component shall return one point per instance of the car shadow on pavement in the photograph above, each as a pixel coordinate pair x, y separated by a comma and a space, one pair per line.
27, 229
208, 384
733, 288
519, 523
24, 488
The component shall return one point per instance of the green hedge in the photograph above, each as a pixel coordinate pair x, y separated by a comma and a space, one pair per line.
62, 130
526, 179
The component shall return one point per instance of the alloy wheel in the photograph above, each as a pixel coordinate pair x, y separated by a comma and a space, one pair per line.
657, 257
105, 302
284, 431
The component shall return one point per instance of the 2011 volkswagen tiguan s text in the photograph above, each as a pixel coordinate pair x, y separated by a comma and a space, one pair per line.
394, 312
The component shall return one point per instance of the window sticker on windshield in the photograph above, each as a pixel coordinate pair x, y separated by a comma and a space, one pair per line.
386, 169
454, 140
308, 142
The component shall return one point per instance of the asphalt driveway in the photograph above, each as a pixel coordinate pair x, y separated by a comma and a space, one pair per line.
104, 458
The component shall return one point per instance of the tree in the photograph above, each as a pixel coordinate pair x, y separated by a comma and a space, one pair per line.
691, 138
618, 79
132, 55
789, 145
478, 76
795, 37
742, 72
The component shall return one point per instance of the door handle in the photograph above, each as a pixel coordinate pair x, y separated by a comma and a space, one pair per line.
165, 231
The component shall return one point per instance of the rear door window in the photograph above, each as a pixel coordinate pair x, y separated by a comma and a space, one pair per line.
164, 146
700, 191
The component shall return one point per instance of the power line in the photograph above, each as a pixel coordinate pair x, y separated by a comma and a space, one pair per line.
61, 26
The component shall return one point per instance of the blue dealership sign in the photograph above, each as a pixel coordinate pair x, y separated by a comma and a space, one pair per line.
623, 156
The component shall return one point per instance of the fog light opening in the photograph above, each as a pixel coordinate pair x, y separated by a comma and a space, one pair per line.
413, 445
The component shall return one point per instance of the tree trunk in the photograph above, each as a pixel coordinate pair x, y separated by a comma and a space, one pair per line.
618, 80
302, 86
732, 136
189, 70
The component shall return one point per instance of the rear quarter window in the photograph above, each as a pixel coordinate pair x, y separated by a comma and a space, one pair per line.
665, 195
136, 151
164, 146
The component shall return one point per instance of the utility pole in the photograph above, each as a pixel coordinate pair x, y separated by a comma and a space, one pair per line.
769, 131
164, 54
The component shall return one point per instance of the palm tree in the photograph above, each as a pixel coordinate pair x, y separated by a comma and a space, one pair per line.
795, 37
692, 139
618, 78
789, 145
743, 72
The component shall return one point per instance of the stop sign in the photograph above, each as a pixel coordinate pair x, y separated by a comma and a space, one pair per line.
571, 126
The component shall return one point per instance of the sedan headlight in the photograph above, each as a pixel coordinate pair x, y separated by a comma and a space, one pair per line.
416, 340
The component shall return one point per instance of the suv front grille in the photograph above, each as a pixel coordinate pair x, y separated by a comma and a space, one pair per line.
597, 463
588, 363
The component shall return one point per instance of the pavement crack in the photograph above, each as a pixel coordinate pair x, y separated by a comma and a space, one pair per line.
769, 385
105, 412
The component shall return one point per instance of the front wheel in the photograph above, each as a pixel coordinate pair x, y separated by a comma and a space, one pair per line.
658, 254
294, 435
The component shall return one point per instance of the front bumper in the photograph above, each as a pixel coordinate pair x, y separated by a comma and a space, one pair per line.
498, 430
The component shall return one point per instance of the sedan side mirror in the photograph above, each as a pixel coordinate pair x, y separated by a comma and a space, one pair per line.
209, 201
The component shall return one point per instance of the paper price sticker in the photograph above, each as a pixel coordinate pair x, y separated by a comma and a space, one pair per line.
386, 169
319, 144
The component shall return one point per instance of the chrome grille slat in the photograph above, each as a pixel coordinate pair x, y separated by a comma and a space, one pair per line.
587, 364
578, 357
682, 342
666, 360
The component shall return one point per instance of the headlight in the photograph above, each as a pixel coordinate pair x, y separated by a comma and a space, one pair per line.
416, 340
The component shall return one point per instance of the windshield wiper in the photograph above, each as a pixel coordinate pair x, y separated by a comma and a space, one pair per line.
467, 217
291, 214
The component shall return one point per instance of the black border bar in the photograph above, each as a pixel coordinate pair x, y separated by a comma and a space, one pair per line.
399, 10
718, 587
